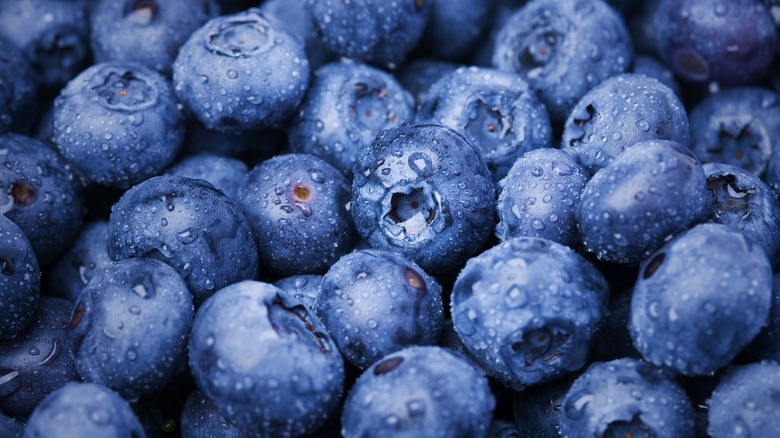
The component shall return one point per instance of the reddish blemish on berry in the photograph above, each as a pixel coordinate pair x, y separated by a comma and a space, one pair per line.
653, 266
123, 93
419, 4
23, 193
414, 279
78, 315
388, 365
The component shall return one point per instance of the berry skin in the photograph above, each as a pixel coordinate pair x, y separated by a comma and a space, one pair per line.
424, 191
496, 111
529, 310
709, 40
241, 72
113, 316
540, 195
18, 91
346, 107
626, 398
20, 279
700, 299
620, 112
304, 288
296, 207
83, 410
118, 123
653, 190
224, 173
374, 303
37, 361
188, 224
563, 48
737, 126
745, 402
265, 361
201, 419
419, 391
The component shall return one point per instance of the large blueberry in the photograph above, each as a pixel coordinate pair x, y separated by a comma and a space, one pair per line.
83, 410
20, 279
118, 123
346, 107
529, 310
373, 31
188, 224
416, 392
304, 288
375, 302
745, 402
265, 361
39, 192
731, 42
137, 312
87, 255
52, 34
563, 48
648, 193
619, 112
700, 299
240, 72
296, 205
537, 409
540, 195
424, 191
496, 111
37, 361
455, 27
742, 200
148, 32
18, 91
294, 16
626, 398
737, 126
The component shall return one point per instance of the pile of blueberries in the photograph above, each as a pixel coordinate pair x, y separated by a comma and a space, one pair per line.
373, 218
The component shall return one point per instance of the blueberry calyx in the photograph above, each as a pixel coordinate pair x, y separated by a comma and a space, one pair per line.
541, 343
540, 49
388, 365
742, 140
370, 105
240, 38
487, 120
580, 120
23, 193
729, 197
286, 320
412, 212
653, 266
126, 91
141, 12
60, 47
636, 428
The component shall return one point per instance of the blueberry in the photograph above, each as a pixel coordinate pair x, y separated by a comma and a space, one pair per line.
39, 192
188, 224
18, 91
455, 27
161, 27
710, 40
87, 255
619, 112
563, 48
650, 66
537, 409
418, 75
37, 361
201, 419
741, 200
117, 123
265, 361
745, 402
294, 16
648, 193
304, 288
419, 391
529, 310
700, 299
540, 195
224, 173
138, 312
496, 111
765, 346
11, 427
53, 35
296, 207
424, 191
371, 31
241, 72
737, 126
375, 302
20, 279
346, 107
626, 397
84, 410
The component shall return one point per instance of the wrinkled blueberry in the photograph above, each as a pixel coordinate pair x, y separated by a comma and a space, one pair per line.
529, 310
424, 191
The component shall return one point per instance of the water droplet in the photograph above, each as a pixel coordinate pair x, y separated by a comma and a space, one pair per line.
232, 74
515, 297
131, 354
317, 175
187, 236
33, 351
